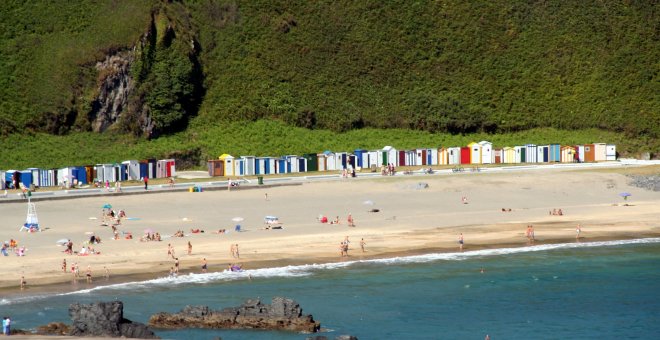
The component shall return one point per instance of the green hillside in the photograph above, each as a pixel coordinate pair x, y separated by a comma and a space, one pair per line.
447, 68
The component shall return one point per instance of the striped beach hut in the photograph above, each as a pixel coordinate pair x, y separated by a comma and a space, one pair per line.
568, 154
443, 156
247, 166
543, 153
531, 153
132, 170
555, 153
579, 150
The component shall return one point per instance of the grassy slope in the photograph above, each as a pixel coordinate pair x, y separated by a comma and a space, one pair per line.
512, 65
262, 138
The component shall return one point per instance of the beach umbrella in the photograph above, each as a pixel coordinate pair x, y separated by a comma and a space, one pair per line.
625, 195
62, 241
107, 206
237, 219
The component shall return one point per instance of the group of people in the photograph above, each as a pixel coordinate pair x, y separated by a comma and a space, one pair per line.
556, 212
343, 247
530, 233
390, 170
13, 246
151, 237
6, 325
349, 220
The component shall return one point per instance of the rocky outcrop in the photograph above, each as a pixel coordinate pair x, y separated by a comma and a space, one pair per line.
115, 85
54, 328
281, 314
105, 319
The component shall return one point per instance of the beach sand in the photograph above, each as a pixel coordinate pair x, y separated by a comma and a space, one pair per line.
409, 221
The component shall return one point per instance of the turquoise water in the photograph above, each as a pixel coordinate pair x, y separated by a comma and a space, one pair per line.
607, 290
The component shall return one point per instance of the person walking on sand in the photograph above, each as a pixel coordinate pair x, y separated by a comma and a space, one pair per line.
64, 266
204, 265
176, 265
238, 255
107, 272
232, 250
578, 230
349, 219
189, 248
266, 196
362, 244
23, 283
460, 242
146, 182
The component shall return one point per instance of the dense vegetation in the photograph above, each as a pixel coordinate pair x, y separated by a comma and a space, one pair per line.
444, 67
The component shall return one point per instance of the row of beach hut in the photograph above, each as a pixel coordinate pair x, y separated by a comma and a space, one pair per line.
82, 175
472, 154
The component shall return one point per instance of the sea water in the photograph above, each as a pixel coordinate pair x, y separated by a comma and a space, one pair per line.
600, 290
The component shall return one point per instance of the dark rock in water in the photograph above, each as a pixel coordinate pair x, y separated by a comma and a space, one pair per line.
54, 328
346, 337
105, 319
318, 337
281, 314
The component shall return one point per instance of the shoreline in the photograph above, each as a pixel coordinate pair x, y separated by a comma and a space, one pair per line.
62, 287
410, 221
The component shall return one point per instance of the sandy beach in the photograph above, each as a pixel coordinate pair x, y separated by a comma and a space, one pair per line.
410, 220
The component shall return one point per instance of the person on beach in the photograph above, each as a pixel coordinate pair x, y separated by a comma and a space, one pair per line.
146, 182
232, 250
6, 325
170, 251
23, 283
189, 248
266, 196
172, 273
204, 265
460, 242
464, 200
107, 272
351, 222
362, 244
64, 266
238, 255
89, 274
578, 230
176, 265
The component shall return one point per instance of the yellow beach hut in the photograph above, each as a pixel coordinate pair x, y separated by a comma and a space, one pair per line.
475, 153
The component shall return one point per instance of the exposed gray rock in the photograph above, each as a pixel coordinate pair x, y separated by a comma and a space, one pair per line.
650, 182
115, 85
105, 319
281, 314
346, 337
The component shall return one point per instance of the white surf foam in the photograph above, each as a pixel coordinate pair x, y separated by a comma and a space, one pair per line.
310, 269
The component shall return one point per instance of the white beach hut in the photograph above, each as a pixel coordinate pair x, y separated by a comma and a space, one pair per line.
388, 155
487, 155
610, 152
133, 169
531, 153
454, 155
600, 152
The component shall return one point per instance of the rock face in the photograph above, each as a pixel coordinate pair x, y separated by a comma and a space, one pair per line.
281, 314
115, 85
105, 319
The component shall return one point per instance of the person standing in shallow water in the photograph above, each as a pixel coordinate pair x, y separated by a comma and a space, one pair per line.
460, 242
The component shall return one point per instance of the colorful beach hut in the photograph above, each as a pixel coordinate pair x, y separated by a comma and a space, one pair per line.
228, 164
543, 153
466, 155
132, 170
247, 166
311, 162
215, 167
475, 153
554, 153
443, 156
568, 154
508, 155
454, 155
